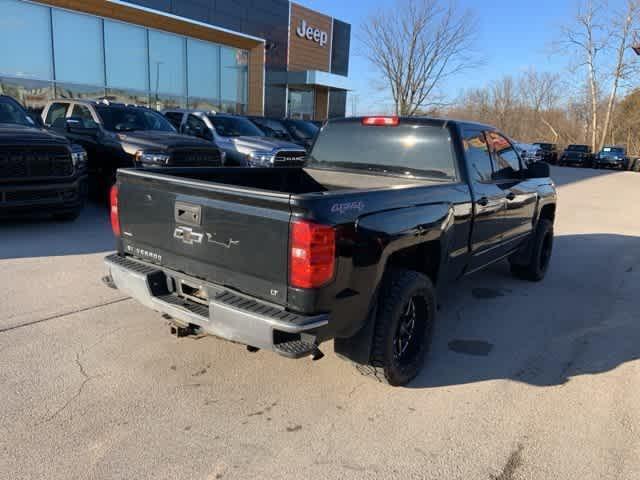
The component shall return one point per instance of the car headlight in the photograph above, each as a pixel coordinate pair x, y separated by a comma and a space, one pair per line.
260, 159
79, 157
152, 158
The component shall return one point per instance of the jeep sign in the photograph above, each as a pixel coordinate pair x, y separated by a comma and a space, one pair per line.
313, 34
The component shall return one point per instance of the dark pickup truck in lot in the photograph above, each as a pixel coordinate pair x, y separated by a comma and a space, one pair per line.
353, 247
40, 172
548, 152
116, 135
576, 155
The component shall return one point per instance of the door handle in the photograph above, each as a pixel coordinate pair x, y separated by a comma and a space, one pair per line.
511, 196
483, 202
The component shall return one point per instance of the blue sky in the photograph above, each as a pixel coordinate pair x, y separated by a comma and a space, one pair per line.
512, 36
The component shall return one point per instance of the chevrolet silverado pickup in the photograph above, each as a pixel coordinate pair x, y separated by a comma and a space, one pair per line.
40, 172
353, 247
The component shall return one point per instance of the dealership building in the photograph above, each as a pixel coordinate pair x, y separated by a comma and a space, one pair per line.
258, 57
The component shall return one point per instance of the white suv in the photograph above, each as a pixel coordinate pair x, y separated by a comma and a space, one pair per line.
242, 142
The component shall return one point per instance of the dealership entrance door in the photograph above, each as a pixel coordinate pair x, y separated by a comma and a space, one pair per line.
301, 103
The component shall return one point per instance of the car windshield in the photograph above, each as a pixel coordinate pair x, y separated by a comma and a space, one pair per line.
129, 119
611, 152
408, 150
544, 146
578, 148
234, 127
302, 129
12, 112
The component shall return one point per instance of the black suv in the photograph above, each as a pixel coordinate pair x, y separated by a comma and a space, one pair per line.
577, 155
548, 152
300, 132
116, 135
40, 172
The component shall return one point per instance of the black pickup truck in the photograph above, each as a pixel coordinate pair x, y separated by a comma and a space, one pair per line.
353, 247
40, 172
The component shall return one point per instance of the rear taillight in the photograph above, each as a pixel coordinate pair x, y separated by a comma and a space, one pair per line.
381, 121
115, 216
312, 254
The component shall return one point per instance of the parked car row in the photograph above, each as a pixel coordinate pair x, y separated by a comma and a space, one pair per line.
578, 155
51, 163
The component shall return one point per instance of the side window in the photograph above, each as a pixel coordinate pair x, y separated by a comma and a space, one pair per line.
505, 158
175, 119
83, 113
476, 150
56, 115
197, 127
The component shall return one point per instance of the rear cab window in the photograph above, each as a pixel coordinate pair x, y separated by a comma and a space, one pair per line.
410, 149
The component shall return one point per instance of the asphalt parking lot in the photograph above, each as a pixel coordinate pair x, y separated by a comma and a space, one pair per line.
524, 381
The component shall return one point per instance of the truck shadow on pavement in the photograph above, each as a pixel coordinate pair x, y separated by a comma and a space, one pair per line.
45, 237
581, 320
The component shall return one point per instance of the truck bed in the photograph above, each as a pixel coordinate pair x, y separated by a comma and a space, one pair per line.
290, 180
230, 226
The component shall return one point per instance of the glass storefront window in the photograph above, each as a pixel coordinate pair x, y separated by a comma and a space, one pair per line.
167, 63
301, 104
33, 94
203, 104
233, 75
203, 69
89, 57
82, 92
126, 56
127, 96
160, 102
77, 43
25, 40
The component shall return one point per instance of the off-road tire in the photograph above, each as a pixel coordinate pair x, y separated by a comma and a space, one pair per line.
541, 249
399, 289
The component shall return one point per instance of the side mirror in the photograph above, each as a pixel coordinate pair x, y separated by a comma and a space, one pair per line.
81, 127
538, 170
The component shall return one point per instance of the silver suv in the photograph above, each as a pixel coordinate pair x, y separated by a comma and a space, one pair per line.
243, 143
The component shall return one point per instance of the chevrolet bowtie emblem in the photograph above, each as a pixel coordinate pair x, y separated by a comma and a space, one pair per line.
188, 236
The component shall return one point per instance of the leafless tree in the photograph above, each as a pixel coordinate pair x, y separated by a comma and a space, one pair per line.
625, 65
416, 46
540, 93
586, 40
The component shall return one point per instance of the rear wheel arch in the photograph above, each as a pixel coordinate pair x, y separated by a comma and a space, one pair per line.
425, 259
548, 212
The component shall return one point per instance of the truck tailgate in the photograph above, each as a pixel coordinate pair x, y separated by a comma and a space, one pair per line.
231, 236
